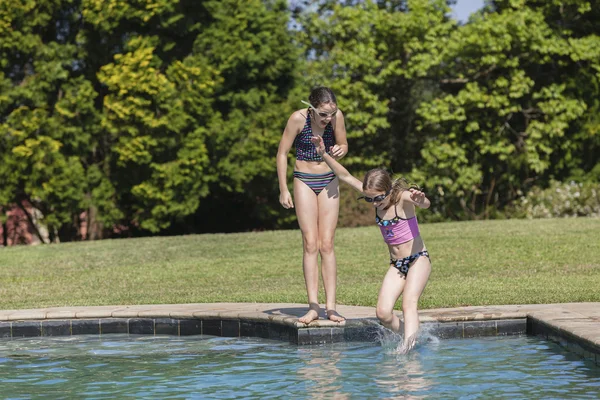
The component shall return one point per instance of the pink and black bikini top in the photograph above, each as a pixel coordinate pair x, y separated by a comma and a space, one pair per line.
398, 230
305, 150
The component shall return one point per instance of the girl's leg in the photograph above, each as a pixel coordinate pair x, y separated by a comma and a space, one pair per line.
307, 212
391, 289
416, 280
329, 205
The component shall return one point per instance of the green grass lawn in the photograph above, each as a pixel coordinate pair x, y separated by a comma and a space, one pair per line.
474, 263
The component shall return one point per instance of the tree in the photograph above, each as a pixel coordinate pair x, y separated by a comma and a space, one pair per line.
133, 113
376, 55
509, 115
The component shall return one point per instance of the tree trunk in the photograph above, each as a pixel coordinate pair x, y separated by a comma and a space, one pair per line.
32, 222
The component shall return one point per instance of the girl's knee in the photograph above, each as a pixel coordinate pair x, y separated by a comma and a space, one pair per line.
326, 246
311, 246
384, 315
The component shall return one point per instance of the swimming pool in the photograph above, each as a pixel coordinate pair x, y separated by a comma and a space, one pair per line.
142, 366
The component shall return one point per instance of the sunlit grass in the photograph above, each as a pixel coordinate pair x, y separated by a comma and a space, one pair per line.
474, 263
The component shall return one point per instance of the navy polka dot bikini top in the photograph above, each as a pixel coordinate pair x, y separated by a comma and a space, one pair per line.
305, 150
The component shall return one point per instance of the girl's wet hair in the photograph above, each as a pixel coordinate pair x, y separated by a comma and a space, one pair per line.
380, 180
321, 95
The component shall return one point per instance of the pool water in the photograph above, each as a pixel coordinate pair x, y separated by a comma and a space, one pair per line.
159, 367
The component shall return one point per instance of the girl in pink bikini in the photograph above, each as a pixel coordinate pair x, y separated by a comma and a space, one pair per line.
410, 265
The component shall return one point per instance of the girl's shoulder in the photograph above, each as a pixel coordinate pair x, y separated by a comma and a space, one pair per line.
299, 115
298, 119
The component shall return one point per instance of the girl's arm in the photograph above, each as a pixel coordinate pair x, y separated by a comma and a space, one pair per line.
294, 125
337, 168
340, 149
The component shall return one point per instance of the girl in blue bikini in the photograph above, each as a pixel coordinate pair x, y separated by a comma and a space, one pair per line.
410, 266
316, 192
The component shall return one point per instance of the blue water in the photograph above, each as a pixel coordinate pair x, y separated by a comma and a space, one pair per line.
161, 367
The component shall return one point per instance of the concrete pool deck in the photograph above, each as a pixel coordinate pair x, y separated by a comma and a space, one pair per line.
576, 326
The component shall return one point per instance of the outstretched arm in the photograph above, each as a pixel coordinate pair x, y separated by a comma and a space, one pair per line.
337, 168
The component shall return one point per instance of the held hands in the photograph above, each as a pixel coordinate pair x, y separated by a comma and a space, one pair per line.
335, 151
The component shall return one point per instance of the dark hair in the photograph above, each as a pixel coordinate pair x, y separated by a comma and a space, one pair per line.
382, 181
321, 95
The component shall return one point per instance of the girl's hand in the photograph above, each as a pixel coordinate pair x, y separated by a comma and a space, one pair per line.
417, 196
319, 144
285, 199
336, 152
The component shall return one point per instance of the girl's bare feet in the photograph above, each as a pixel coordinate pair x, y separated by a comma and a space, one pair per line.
310, 316
334, 316
407, 345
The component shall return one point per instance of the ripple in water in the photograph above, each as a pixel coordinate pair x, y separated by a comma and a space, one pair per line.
152, 367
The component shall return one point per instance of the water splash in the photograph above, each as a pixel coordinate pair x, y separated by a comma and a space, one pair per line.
388, 339
394, 343
425, 335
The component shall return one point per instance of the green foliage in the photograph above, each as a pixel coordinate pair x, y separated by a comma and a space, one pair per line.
154, 138
108, 15
151, 115
256, 61
560, 199
40, 172
372, 56
131, 113
505, 117
477, 113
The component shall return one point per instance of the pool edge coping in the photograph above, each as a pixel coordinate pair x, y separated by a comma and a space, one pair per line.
573, 325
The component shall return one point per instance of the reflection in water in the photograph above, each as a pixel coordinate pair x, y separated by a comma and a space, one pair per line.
321, 373
402, 375
203, 367
374, 368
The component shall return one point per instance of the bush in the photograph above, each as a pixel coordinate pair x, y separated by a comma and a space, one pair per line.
560, 199
354, 212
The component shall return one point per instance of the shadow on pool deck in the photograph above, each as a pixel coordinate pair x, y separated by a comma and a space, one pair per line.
576, 326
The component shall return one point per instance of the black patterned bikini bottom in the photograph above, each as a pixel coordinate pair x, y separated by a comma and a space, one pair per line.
405, 263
